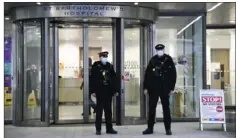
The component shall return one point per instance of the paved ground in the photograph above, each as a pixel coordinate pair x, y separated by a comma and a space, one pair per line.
180, 130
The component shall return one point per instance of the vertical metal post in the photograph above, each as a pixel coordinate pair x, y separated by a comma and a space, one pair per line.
184, 53
153, 36
45, 109
193, 66
145, 61
204, 68
120, 109
224, 126
56, 74
86, 74
14, 73
142, 69
24, 70
20, 71
151, 32
114, 42
114, 61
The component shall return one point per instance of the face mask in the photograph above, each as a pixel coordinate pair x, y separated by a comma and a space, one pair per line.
160, 53
103, 60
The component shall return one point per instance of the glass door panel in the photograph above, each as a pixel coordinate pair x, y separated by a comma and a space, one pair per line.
132, 71
70, 78
99, 39
32, 68
220, 62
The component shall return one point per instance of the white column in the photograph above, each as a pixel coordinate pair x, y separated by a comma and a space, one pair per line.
232, 65
208, 64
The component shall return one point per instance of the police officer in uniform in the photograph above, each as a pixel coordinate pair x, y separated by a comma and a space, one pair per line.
103, 88
159, 82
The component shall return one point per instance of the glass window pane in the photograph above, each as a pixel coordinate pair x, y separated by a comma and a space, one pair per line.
184, 44
32, 70
220, 51
132, 71
8, 101
7, 78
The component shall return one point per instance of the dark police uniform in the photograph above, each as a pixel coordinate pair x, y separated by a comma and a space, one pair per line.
103, 85
159, 81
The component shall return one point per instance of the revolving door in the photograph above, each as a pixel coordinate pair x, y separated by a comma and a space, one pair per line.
51, 60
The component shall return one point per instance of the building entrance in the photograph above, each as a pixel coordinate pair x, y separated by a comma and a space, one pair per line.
51, 73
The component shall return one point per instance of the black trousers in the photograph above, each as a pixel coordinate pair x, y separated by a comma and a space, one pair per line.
153, 99
103, 104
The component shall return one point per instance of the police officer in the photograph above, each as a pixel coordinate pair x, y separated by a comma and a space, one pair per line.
103, 88
159, 82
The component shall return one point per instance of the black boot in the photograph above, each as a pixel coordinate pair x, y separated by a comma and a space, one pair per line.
168, 132
98, 132
111, 131
147, 131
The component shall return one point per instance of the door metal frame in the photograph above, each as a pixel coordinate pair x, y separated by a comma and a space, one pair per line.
114, 64
85, 36
55, 73
46, 71
118, 49
120, 100
17, 83
85, 31
143, 47
19, 75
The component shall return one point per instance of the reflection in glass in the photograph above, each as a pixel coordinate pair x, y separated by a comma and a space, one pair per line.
220, 51
132, 71
185, 47
32, 71
51, 70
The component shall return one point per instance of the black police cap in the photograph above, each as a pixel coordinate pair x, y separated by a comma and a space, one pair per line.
159, 47
103, 54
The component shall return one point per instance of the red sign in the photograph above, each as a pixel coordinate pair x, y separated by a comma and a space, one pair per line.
219, 119
219, 109
212, 99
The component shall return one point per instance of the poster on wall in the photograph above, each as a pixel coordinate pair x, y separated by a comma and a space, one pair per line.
7, 61
7, 70
212, 106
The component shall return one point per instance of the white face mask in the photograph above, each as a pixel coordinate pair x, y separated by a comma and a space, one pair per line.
160, 53
103, 60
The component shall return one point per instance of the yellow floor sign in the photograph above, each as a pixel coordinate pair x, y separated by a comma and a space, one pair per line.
177, 102
31, 99
7, 97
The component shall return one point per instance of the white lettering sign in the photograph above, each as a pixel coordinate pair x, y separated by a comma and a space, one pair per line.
212, 107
